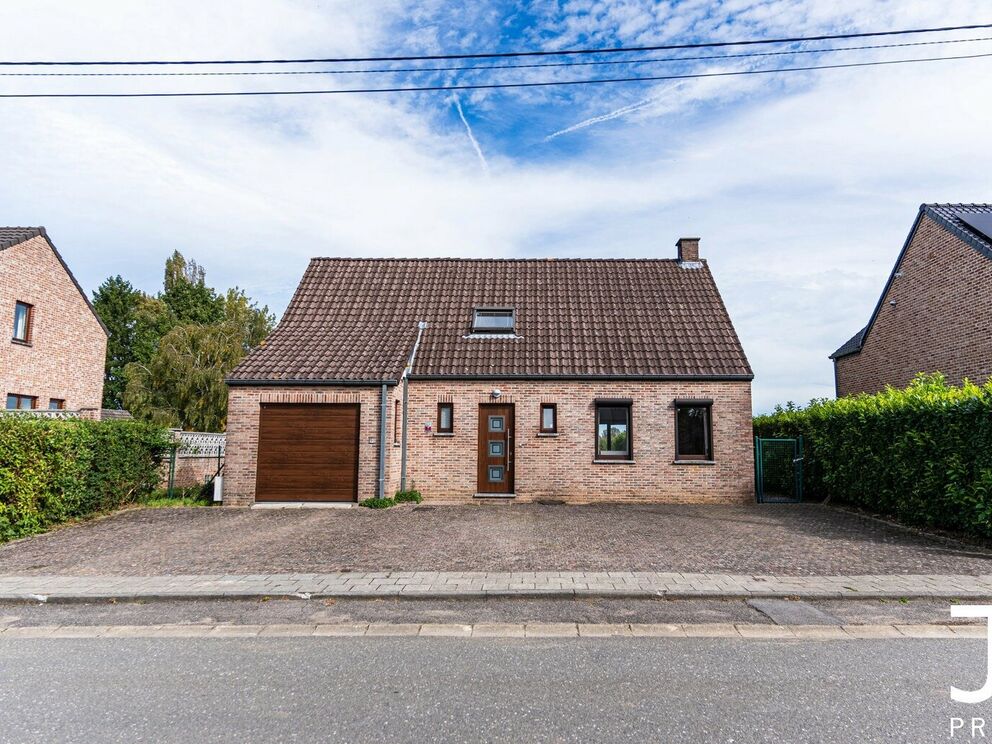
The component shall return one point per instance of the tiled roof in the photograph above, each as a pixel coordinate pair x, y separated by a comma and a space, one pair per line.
949, 217
850, 346
356, 320
13, 235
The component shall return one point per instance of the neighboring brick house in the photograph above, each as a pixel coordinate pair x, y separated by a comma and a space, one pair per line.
935, 313
56, 353
580, 380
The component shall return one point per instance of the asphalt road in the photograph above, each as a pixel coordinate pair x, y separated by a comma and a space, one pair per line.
424, 690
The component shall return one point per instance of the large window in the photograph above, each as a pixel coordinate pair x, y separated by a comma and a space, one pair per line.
693, 434
445, 418
22, 322
549, 418
613, 431
493, 320
25, 402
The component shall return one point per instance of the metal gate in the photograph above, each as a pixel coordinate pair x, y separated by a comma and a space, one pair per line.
778, 470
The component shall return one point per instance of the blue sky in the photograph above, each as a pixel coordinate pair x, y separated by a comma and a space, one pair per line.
802, 187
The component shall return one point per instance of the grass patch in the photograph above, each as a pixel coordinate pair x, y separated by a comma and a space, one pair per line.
410, 496
377, 503
191, 496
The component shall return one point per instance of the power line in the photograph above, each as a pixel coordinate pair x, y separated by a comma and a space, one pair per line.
494, 55
472, 68
487, 86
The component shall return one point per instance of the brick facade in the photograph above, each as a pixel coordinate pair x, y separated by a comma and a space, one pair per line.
67, 350
941, 320
444, 468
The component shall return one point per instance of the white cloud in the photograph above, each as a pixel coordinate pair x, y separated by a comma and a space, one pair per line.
802, 189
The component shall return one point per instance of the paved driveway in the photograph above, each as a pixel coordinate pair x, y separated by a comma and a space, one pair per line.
798, 540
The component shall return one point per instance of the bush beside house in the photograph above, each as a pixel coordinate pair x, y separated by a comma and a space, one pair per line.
922, 455
55, 470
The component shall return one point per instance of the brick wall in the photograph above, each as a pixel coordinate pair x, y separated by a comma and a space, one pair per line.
445, 468
243, 406
942, 319
65, 358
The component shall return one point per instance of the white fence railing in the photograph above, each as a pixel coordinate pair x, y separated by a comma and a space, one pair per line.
199, 443
40, 413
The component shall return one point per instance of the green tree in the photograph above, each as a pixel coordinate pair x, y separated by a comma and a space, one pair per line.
186, 293
116, 302
183, 383
254, 322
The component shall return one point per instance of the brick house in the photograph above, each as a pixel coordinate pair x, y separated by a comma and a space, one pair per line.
55, 356
581, 380
935, 312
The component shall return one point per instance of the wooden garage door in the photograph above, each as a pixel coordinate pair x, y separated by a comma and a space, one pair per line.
307, 452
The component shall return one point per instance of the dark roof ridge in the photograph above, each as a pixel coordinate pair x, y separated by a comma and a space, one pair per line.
549, 259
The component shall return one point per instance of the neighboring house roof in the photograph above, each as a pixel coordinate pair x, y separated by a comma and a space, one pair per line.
11, 236
972, 223
355, 320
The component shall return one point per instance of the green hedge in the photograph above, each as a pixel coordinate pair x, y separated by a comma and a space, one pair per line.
922, 455
55, 470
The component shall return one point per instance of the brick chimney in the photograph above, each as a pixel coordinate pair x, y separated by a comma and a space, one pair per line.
688, 249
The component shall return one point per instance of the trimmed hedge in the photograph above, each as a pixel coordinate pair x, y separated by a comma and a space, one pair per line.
922, 455
55, 470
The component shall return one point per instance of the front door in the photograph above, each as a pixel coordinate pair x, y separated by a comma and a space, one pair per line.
495, 449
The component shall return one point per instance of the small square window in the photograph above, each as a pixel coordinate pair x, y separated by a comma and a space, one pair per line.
496, 423
446, 418
496, 474
22, 322
693, 435
493, 320
56, 404
496, 449
549, 418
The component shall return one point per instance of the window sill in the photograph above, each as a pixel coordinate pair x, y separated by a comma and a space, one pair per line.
19, 342
444, 434
694, 462
547, 433
613, 462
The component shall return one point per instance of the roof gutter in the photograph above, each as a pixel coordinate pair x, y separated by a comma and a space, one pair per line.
618, 378
421, 326
261, 382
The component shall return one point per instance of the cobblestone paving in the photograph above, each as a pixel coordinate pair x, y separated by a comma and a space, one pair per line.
781, 540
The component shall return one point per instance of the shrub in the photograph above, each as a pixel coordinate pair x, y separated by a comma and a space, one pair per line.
411, 495
922, 455
55, 470
377, 503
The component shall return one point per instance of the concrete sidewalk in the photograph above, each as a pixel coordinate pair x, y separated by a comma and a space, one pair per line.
618, 584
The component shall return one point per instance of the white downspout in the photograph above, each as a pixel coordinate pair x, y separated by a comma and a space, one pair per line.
421, 326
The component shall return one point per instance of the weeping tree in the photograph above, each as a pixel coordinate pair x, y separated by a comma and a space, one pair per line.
183, 384
168, 354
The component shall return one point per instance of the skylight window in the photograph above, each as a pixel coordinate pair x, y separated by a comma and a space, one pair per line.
493, 320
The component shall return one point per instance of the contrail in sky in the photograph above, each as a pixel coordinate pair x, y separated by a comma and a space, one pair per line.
623, 111
472, 139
